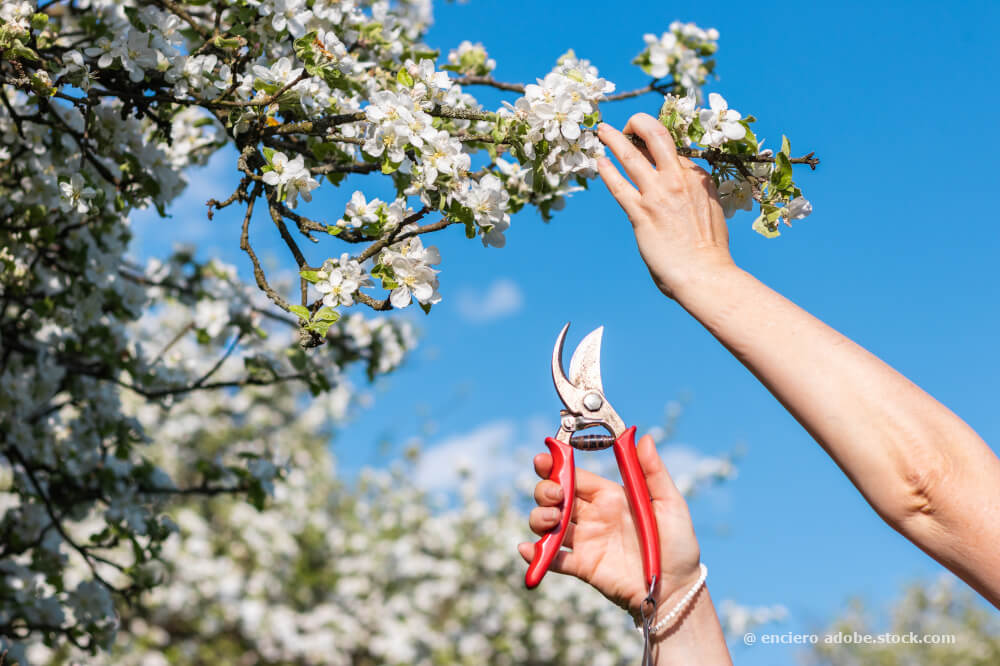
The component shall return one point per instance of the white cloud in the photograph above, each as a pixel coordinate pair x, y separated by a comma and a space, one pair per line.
484, 452
502, 298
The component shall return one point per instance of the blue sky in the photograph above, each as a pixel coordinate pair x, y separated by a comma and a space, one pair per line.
897, 99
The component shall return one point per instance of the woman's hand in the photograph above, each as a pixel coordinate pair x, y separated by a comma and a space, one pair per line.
675, 212
603, 537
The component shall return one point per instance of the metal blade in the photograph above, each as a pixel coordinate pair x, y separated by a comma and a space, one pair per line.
585, 366
563, 387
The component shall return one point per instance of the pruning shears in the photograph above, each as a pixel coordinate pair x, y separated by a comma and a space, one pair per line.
586, 407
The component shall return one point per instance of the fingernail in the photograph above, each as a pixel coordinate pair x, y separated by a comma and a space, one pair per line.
601, 127
552, 514
554, 493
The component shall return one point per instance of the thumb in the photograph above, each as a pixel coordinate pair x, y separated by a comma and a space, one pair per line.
661, 486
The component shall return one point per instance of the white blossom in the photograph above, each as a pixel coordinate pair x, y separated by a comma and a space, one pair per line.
75, 194
720, 123
798, 208
735, 195
340, 280
291, 175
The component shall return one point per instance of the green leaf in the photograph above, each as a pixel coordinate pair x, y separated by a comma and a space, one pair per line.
320, 327
786, 147
310, 276
762, 227
268, 153
326, 314
301, 310
21, 51
781, 177
695, 130
221, 42
426, 307
404, 78
750, 138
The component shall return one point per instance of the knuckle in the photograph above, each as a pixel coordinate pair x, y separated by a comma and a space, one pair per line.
657, 129
544, 492
672, 187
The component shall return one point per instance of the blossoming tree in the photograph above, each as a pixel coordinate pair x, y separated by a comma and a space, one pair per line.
104, 106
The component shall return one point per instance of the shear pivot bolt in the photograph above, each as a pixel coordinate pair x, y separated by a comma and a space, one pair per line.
592, 402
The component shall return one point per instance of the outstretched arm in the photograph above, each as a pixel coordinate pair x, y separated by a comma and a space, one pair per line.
924, 470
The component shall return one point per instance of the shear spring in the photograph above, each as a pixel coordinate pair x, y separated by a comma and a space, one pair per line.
591, 442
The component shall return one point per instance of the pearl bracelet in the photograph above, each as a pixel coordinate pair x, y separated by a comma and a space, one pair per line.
682, 604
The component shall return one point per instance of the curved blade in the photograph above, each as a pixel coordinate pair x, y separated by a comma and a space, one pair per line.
585, 366
567, 393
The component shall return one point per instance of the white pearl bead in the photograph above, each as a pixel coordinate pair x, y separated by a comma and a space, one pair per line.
682, 604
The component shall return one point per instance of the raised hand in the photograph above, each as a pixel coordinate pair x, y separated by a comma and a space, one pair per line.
675, 212
602, 536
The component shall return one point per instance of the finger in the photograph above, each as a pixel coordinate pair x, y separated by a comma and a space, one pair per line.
543, 515
636, 166
541, 522
543, 464
543, 519
661, 486
622, 190
548, 493
658, 141
588, 484
565, 561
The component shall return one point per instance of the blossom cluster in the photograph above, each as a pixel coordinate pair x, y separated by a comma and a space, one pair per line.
339, 281
360, 213
768, 180
470, 59
554, 109
289, 177
405, 137
681, 54
405, 268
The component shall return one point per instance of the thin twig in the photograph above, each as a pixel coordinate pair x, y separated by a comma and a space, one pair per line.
258, 272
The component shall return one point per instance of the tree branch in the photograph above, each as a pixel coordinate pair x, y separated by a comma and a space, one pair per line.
258, 272
488, 81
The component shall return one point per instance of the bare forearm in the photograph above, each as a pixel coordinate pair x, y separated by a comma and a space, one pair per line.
696, 638
921, 467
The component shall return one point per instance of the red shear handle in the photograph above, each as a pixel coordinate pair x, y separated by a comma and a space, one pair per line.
638, 499
547, 547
